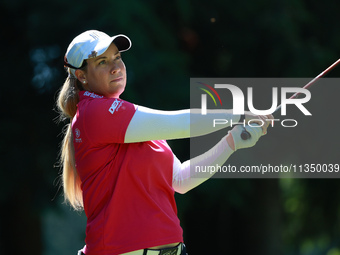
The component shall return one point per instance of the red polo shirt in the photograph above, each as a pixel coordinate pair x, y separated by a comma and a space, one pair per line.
127, 187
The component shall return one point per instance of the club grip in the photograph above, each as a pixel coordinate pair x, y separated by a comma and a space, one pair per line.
245, 135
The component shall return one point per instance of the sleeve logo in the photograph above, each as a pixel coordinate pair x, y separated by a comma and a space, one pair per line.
115, 106
78, 139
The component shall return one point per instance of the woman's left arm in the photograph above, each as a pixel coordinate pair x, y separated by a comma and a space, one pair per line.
188, 175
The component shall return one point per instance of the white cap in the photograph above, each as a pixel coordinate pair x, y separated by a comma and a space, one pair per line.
91, 44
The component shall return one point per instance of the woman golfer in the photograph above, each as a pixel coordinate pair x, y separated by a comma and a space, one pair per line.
117, 165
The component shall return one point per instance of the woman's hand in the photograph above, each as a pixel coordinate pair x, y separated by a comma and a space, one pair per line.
262, 120
233, 137
235, 141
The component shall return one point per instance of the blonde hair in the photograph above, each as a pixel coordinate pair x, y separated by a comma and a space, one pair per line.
67, 101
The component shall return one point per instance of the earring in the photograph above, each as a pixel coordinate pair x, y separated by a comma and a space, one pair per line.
84, 81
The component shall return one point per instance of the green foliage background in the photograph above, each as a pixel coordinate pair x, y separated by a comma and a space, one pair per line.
172, 41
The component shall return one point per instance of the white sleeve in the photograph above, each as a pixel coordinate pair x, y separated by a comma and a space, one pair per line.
149, 124
186, 178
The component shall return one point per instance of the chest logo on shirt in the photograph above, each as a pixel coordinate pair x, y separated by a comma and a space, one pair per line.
115, 106
78, 139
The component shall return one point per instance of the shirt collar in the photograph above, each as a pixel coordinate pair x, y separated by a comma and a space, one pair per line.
87, 94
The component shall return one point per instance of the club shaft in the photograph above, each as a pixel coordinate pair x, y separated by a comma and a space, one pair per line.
309, 84
245, 135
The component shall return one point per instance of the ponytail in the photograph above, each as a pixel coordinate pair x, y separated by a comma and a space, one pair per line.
67, 104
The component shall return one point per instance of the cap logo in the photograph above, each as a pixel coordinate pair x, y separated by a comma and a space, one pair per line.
93, 54
94, 35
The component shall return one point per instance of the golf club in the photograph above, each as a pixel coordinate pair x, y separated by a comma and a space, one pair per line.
245, 135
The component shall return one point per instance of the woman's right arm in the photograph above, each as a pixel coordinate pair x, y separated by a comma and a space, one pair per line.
149, 124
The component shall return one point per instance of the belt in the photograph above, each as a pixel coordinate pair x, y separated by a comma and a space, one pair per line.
177, 250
